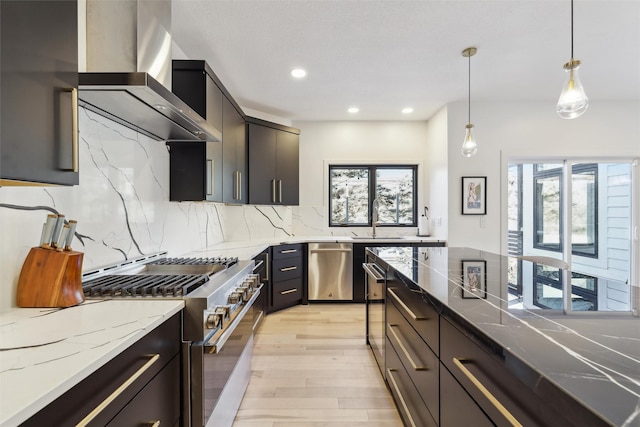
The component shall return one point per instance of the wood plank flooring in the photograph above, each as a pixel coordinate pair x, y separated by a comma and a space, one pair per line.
311, 367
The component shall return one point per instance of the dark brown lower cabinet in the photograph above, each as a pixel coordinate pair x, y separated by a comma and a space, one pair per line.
412, 408
140, 386
287, 276
458, 408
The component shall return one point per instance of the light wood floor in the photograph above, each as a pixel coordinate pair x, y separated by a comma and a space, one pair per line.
311, 367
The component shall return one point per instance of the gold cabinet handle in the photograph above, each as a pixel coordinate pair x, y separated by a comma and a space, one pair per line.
279, 191
74, 130
154, 423
395, 336
239, 185
117, 392
288, 268
394, 384
266, 257
486, 393
290, 291
273, 191
404, 306
289, 251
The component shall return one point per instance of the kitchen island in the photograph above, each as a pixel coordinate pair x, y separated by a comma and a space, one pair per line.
583, 368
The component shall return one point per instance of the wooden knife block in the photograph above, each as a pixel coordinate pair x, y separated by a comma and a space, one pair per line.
50, 278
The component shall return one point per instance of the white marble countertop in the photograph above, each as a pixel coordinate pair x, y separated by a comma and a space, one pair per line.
45, 352
247, 249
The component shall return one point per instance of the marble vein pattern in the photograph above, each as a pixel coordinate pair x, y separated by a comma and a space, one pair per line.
122, 207
584, 350
57, 348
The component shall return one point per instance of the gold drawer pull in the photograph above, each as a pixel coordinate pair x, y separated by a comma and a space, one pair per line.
404, 306
117, 392
154, 424
289, 251
404, 350
288, 268
486, 393
290, 291
402, 402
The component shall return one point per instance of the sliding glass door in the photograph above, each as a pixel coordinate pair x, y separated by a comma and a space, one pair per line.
573, 213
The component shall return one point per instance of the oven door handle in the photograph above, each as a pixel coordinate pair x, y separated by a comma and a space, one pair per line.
217, 345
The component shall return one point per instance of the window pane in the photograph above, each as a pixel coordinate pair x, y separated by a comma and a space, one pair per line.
394, 191
349, 196
584, 210
548, 167
547, 212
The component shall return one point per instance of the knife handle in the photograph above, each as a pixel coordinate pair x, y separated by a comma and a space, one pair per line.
63, 237
72, 231
47, 231
55, 238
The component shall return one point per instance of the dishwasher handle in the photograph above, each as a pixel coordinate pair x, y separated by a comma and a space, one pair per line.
314, 251
373, 271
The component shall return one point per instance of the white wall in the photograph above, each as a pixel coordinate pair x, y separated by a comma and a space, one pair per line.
517, 130
324, 143
436, 179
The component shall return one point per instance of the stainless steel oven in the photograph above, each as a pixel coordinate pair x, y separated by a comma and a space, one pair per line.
217, 323
221, 368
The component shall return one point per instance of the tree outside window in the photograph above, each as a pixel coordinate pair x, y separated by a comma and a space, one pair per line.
353, 189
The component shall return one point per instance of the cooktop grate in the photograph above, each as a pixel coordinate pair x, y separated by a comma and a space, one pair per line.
226, 261
143, 285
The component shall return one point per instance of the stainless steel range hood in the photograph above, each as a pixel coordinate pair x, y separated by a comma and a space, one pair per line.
129, 71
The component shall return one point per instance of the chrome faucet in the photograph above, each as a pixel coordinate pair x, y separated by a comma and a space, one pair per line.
374, 216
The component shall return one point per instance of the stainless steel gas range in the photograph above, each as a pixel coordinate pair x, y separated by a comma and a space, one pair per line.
217, 323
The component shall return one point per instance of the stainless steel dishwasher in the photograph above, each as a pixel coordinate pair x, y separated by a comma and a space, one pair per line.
330, 272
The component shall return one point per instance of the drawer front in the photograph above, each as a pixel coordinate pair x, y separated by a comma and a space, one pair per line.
417, 358
158, 402
143, 359
458, 408
288, 268
413, 410
418, 311
500, 394
287, 293
287, 251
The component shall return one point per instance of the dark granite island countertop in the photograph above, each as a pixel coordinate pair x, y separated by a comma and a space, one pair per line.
592, 357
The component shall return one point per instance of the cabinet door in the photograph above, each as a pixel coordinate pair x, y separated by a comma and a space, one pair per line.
189, 168
262, 162
287, 166
234, 154
457, 408
39, 66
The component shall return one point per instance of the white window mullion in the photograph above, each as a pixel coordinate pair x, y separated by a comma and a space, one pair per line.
567, 227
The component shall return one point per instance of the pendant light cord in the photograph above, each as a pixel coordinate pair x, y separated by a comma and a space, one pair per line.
571, 29
469, 98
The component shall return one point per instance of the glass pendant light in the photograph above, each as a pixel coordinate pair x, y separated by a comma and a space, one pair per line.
469, 146
573, 100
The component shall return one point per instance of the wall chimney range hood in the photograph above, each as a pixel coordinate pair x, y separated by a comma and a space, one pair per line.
129, 71
139, 102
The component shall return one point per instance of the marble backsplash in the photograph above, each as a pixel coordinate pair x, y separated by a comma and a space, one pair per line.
122, 207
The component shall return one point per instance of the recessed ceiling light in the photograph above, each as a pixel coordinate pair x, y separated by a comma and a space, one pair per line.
407, 110
353, 110
298, 73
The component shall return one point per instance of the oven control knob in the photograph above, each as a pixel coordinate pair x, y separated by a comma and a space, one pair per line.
234, 298
213, 320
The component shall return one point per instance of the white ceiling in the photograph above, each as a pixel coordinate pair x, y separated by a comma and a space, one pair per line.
384, 55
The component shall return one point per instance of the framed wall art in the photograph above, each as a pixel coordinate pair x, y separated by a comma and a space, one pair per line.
474, 279
474, 195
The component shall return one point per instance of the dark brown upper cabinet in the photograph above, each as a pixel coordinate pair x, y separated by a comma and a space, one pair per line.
39, 92
273, 163
220, 173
